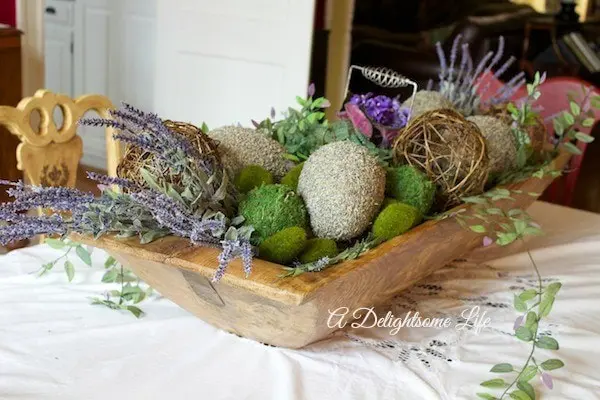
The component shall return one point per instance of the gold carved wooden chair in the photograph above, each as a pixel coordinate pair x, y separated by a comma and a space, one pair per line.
50, 156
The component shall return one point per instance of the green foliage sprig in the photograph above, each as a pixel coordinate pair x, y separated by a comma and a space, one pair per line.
130, 293
487, 217
523, 117
351, 253
301, 131
533, 305
568, 124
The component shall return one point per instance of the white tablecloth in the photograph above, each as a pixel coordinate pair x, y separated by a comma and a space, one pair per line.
55, 345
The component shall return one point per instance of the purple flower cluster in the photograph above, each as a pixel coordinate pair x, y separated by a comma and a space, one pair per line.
381, 109
234, 249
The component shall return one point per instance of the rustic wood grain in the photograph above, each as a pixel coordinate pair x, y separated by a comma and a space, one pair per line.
293, 312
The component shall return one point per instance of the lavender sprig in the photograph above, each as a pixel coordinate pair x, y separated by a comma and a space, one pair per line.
109, 180
28, 227
233, 249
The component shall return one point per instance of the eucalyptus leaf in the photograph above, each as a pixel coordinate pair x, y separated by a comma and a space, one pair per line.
528, 373
55, 243
571, 148
519, 304
477, 228
552, 364
582, 137
527, 388
523, 333
547, 342
528, 294
494, 383
575, 108
83, 255
519, 395
486, 396
588, 122
502, 368
69, 269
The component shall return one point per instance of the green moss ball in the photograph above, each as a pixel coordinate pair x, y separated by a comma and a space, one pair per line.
394, 220
284, 246
387, 201
251, 177
410, 186
272, 208
291, 178
318, 248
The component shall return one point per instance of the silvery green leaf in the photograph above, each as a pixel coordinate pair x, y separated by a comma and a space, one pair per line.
231, 234
83, 254
519, 395
588, 122
110, 261
69, 269
238, 220
546, 342
501, 368
524, 334
519, 304
530, 319
551, 364
110, 276
528, 373
553, 288
221, 193
245, 232
150, 236
174, 194
575, 108
568, 118
55, 243
582, 137
149, 179
494, 383
137, 312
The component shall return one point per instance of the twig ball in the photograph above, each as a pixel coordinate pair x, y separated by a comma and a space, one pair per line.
450, 150
343, 187
136, 158
427, 100
240, 147
501, 146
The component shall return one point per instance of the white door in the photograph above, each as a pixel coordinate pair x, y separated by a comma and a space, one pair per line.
114, 56
229, 61
58, 59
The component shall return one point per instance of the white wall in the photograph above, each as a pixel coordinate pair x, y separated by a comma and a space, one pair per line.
229, 61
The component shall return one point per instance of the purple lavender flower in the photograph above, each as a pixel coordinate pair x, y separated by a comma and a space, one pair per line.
233, 249
311, 90
28, 227
547, 380
109, 180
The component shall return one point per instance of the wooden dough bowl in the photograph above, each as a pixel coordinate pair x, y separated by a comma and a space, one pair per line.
293, 312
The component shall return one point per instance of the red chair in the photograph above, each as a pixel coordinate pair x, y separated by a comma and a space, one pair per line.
554, 100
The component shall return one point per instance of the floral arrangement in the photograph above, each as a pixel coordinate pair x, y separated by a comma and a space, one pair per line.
308, 193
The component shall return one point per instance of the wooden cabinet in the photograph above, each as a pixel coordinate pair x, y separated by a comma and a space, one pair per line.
10, 94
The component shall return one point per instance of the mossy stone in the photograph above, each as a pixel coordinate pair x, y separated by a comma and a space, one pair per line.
318, 248
251, 177
291, 178
272, 208
284, 246
409, 185
394, 220
501, 146
427, 100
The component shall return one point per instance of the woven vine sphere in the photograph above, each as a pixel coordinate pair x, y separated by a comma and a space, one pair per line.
135, 158
449, 149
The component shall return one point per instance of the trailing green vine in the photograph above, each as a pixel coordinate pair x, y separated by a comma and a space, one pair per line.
533, 305
126, 298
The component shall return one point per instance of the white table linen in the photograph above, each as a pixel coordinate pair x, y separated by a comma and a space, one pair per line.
55, 345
